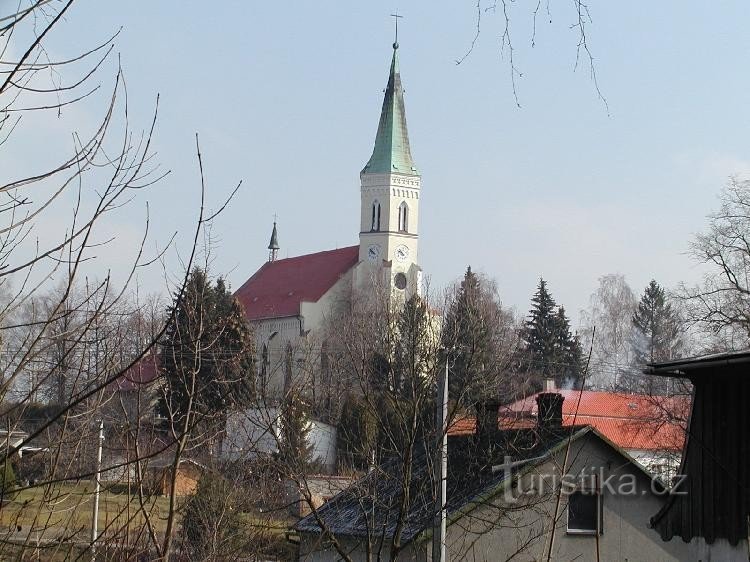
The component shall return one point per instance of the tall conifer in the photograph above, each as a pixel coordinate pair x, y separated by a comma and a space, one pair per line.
207, 355
657, 327
550, 350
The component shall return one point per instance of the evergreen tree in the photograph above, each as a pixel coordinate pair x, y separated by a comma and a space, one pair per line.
413, 345
207, 355
357, 434
212, 523
569, 356
540, 333
295, 450
550, 350
468, 334
657, 327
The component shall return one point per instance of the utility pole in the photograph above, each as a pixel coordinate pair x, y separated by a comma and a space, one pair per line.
95, 523
441, 468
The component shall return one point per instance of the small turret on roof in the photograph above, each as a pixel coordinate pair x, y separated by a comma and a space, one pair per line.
392, 153
273, 245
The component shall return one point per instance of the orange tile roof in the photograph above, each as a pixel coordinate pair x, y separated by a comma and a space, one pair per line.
631, 421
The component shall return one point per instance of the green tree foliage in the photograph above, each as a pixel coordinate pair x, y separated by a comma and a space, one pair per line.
570, 366
357, 434
550, 349
7, 480
477, 340
295, 450
212, 524
413, 357
207, 353
397, 407
657, 327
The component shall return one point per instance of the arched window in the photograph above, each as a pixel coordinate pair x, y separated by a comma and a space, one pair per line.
375, 216
264, 370
403, 217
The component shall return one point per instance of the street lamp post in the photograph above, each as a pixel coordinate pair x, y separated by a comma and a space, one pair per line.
95, 523
441, 468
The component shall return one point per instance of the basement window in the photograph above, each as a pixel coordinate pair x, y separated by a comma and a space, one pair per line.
585, 513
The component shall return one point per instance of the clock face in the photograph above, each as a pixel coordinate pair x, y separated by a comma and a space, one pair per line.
402, 253
373, 252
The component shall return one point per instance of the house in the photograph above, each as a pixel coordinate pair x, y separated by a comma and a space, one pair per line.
711, 512
288, 300
521, 494
634, 422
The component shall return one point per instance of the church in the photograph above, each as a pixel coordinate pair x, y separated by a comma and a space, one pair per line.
287, 300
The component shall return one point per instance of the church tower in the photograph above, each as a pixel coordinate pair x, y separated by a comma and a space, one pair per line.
390, 189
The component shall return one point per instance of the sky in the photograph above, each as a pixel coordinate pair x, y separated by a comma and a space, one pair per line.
286, 97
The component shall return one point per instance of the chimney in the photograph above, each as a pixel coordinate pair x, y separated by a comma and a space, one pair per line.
549, 409
487, 423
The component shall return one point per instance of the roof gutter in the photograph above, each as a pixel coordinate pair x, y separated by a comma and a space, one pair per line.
681, 368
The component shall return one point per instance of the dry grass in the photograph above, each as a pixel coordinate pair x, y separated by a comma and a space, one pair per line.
66, 510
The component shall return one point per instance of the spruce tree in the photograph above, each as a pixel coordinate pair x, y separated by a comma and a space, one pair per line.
412, 357
207, 355
569, 356
295, 449
468, 335
539, 333
657, 327
550, 349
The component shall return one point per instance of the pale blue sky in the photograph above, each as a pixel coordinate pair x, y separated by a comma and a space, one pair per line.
286, 96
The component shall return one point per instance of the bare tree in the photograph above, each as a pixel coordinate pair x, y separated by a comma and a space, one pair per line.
610, 316
720, 305
73, 336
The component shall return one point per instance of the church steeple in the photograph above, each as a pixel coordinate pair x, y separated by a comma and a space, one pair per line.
273, 245
392, 153
390, 191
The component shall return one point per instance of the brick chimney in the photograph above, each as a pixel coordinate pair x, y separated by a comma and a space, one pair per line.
549, 410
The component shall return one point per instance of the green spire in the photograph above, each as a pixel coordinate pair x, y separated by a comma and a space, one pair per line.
392, 152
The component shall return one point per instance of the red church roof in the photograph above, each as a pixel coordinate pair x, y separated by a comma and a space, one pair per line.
631, 421
278, 287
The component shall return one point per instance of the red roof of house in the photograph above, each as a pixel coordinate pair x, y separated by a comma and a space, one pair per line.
630, 421
145, 371
278, 287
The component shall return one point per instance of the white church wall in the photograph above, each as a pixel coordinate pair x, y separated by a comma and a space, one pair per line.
316, 313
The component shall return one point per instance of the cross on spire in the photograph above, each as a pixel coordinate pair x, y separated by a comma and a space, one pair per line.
396, 17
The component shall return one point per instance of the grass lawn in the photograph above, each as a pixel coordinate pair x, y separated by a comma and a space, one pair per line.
68, 509
59, 517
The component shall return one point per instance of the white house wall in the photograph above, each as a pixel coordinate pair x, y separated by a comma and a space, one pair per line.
501, 530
